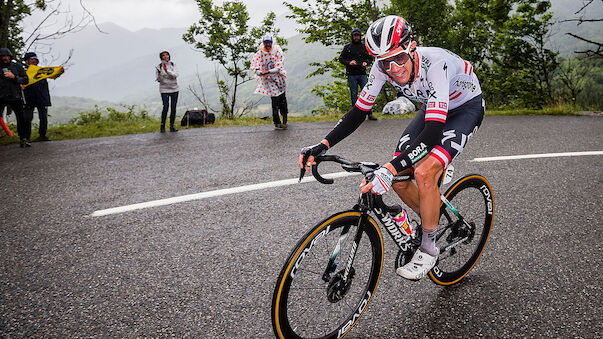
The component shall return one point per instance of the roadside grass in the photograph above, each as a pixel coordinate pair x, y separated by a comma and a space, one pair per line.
105, 126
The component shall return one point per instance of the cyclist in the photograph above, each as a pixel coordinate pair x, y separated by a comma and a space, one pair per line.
452, 111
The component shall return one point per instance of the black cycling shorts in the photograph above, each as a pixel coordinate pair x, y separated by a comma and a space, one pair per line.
461, 124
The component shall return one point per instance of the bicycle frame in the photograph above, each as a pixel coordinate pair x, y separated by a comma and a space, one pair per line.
369, 202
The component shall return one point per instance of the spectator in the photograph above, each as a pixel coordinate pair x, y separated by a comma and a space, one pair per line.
12, 75
166, 74
37, 96
269, 67
355, 58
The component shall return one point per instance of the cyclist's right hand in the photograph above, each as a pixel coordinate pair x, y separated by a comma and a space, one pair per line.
306, 158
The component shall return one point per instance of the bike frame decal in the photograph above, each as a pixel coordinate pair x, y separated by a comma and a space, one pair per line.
392, 228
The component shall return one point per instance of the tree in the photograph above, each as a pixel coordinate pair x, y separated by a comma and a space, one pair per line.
597, 49
54, 23
432, 32
330, 22
571, 75
522, 67
223, 35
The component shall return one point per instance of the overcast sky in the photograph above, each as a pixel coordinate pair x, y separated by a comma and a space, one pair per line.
137, 14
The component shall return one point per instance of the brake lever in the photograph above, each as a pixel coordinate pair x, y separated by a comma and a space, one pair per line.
302, 171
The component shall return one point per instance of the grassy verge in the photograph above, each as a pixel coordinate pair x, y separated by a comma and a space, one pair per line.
107, 127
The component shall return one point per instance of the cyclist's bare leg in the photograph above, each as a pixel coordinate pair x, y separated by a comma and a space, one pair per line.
407, 191
427, 174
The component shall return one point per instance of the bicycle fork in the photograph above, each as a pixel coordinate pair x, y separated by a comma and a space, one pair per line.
332, 265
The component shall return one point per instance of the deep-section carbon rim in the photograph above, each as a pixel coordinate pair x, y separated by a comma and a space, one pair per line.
303, 304
472, 196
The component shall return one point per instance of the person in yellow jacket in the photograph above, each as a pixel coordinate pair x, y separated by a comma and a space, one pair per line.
37, 95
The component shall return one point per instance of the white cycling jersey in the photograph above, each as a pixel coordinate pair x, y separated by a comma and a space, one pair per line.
443, 82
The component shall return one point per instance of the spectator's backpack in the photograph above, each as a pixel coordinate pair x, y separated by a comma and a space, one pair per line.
197, 117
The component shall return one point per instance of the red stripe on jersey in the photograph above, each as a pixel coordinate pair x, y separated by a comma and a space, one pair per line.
456, 96
436, 119
466, 67
439, 148
470, 69
437, 111
451, 94
438, 159
364, 102
363, 109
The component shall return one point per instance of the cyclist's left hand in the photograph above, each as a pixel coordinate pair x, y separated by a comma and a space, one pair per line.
381, 183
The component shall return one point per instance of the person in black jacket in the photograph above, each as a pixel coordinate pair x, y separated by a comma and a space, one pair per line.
37, 97
355, 58
12, 75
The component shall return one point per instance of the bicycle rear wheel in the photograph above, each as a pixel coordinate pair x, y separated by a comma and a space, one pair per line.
311, 301
464, 228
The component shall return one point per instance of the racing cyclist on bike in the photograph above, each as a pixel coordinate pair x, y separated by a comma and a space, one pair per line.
452, 111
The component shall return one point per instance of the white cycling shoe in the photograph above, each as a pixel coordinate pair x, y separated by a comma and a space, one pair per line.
418, 267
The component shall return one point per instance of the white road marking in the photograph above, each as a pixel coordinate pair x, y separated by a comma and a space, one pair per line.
210, 194
286, 182
534, 156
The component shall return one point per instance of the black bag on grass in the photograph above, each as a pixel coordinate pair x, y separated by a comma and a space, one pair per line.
197, 117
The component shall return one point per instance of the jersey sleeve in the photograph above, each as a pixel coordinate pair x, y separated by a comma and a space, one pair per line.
437, 104
369, 93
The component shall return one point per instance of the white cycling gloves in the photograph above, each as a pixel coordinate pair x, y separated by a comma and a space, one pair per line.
382, 181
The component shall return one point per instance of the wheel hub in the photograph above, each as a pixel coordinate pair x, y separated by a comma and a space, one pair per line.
337, 287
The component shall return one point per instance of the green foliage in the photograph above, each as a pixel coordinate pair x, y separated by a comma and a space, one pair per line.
590, 97
330, 22
335, 96
432, 32
503, 39
223, 35
11, 33
95, 116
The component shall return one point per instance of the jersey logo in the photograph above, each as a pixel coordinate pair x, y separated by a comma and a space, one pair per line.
443, 105
371, 98
431, 104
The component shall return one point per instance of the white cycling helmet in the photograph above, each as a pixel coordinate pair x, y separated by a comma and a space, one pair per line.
386, 34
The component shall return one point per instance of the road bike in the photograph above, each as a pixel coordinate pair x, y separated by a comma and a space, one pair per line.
332, 273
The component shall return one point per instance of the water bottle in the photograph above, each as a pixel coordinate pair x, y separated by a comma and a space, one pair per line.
401, 220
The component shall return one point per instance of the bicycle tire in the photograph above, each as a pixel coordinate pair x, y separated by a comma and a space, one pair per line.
287, 321
473, 197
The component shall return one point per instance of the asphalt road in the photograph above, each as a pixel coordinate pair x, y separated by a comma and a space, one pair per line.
207, 268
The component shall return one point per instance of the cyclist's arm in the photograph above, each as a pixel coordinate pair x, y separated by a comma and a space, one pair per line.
435, 118
346, 126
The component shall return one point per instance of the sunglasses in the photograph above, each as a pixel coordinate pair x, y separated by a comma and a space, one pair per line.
399, 59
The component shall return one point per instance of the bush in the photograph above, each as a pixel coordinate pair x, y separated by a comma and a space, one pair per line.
88, 117
95, 116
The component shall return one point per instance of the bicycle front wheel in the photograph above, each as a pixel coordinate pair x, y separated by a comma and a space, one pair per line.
464, 228
314, 297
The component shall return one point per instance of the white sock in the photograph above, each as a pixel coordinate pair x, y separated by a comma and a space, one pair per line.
428, 242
